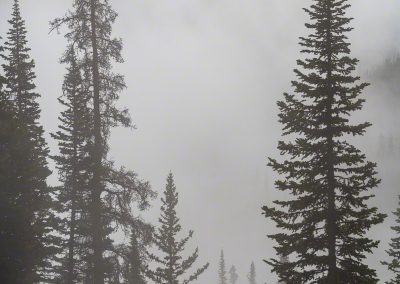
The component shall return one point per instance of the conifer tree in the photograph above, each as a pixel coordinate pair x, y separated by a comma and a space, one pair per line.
172, 268
394, 251
134, 261
113, 191
233, 276
28, 219
73, 165
324, 224
252, 274
222, 279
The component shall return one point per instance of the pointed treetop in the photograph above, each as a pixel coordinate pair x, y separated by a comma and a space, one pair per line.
233, 276
172, 266
222, 270
252, 274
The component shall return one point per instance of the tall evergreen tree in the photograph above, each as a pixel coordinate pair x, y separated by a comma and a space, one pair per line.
394, 251
73, 165
112, 190
325, 223
28, 245
171, 266
252, 274
233, 276
222, 279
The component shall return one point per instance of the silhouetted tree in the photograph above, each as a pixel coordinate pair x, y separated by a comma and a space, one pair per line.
134, 261
252, 274
73, 165
394, 251
171, 266
9, 136
233, 276
112, 190
28, 246
222, 279
325, 224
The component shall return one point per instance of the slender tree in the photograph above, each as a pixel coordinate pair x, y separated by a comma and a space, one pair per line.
233, 276
73, 165
112, 190
394, 251
134, 260
252, 274
171, 266
28, 219
325, 223
222, 279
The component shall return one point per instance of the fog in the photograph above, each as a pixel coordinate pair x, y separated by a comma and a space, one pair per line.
203, 79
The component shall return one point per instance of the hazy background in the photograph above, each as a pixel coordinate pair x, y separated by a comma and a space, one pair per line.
203, 79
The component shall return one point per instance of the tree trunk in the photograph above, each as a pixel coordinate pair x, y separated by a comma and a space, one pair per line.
98, 270
331, 213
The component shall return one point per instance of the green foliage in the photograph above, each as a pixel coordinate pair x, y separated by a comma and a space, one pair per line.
171, 266
324, 225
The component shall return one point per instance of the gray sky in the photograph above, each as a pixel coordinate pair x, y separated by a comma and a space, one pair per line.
203, 79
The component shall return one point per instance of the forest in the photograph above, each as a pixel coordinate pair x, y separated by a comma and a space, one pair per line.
176, 142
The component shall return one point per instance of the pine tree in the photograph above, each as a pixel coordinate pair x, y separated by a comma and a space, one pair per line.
325, 223
9, 135
113, 191
28, 245
134, 261
171, 266
222, 270
233, 276
394, 251
73, 166
252, 274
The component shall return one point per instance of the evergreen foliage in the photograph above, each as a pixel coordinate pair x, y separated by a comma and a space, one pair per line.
134, 263
252, 274
28, 245
222, 279
172, 267
233, 276
73, 166
114, 193
324, 225
394, 251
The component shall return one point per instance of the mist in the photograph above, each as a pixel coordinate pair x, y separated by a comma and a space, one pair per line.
203, 80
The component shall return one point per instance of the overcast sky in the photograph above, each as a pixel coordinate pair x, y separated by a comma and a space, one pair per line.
203, 79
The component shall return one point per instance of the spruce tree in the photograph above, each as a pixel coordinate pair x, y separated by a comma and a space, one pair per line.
28, 219
172, 268
222, 270
324, 224
73, 165
252, 274
394, 251
134, 261
113, 191
233, 276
